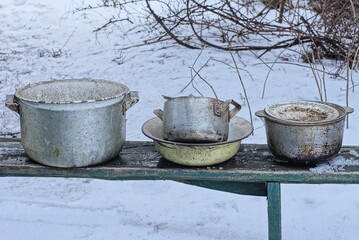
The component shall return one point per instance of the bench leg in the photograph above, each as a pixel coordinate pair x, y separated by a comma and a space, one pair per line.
274, 211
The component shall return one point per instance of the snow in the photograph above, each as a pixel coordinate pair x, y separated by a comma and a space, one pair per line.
42, 40
335, 165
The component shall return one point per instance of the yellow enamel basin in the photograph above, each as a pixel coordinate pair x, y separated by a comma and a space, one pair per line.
198, 154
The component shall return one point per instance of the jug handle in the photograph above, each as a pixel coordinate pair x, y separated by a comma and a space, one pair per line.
158, 113
12, 103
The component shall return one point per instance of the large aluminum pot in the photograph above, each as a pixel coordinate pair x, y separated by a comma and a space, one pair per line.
72, 123
304, 132
196, 119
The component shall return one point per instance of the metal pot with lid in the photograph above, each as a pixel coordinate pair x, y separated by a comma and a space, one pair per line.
72, 123
304, 132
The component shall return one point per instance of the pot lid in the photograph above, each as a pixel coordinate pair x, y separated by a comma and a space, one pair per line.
302, 111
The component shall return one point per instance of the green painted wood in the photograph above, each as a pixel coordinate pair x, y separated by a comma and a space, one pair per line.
140, 161
252, 189
274, 211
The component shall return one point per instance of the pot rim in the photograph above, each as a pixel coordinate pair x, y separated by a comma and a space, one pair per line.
343, 112
285, 110
20, 92
191, 97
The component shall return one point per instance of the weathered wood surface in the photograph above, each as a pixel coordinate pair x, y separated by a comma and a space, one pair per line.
140, 161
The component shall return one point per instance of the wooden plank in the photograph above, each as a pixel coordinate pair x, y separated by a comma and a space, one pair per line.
274, 211
139, 160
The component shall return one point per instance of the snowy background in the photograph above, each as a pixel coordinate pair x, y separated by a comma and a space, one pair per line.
43, 40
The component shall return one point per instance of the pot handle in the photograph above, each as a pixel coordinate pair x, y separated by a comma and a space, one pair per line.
158, 113
235, 110
167, 97
219, 109
261, 114
12, 104
348, 110
130, 99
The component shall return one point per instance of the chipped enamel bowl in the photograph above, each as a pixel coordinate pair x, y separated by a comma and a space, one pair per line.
198, 154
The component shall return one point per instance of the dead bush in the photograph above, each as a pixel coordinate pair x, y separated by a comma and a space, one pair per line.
329, 26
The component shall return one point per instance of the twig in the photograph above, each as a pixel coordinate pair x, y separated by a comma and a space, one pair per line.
168, 31
281, 10
68, 39
111, 21
229, 65
304, 66
214, 92
315, 72
191, 82
347, 93
194, 63
146, 43
341, 89
243, 87
269, 71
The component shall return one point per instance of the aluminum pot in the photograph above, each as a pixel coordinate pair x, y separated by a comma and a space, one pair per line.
196, 119
292, 139
72, 123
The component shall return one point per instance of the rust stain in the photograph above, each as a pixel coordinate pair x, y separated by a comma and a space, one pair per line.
57, 152
307, 150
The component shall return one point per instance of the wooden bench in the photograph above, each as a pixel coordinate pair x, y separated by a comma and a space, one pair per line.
251, 172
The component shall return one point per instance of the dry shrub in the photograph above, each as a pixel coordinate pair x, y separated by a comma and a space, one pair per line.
277, 4
339, 18
339, 21
328, 26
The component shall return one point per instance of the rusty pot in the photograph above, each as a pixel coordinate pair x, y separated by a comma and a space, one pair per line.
304, 132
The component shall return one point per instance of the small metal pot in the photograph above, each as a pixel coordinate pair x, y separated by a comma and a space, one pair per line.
72, 123
196, 119
304, 132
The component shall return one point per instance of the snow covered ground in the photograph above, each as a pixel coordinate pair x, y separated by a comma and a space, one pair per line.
42, 40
